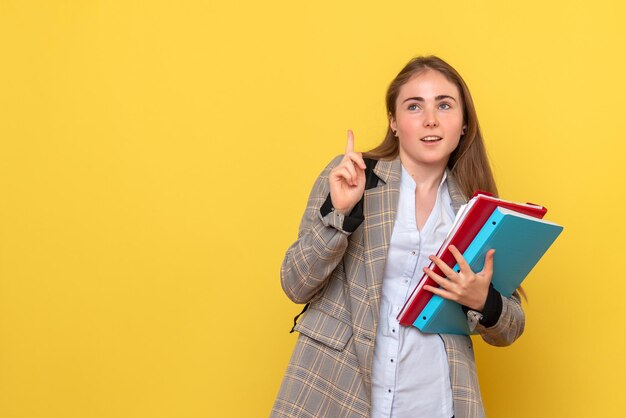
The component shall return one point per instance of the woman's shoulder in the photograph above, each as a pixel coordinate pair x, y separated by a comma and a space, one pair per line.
369, 162
335, 161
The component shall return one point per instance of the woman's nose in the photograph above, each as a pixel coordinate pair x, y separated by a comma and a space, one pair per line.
430, 120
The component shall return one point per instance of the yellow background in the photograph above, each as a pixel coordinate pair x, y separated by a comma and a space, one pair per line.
156, 157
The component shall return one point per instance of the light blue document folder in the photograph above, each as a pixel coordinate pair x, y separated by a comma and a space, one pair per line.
519, 240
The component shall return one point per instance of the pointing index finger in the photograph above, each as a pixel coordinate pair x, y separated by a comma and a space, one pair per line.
350, 144
355, 157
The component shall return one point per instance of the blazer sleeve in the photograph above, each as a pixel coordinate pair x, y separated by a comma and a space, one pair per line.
509, 327
320, 246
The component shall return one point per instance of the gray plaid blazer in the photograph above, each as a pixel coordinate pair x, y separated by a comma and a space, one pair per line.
340, 274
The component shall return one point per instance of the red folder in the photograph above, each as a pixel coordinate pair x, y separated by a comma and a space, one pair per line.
479, 209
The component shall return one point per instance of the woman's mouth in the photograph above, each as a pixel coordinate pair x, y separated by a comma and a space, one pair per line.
431, 138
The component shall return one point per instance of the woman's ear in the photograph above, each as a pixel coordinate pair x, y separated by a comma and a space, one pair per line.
392, 123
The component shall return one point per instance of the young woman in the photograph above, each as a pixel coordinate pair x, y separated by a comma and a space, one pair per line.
371, 227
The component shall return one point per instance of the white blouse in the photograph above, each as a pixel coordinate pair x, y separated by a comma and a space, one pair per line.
410, 375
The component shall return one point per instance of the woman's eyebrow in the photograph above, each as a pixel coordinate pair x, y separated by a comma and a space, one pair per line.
421, 99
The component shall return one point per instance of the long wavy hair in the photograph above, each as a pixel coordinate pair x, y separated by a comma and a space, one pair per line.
468, 162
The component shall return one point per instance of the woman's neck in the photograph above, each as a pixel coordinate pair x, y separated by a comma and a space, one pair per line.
426, 177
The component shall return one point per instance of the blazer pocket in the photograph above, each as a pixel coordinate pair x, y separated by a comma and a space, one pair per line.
325, 329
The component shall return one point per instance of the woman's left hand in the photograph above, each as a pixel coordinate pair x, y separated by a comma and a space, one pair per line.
465, 287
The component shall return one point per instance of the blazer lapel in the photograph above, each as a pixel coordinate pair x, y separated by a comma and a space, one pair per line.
380, 206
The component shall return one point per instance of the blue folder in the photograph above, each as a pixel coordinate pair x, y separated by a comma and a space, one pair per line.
519, 240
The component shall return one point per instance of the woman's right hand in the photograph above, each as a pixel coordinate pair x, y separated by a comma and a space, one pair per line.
347, 180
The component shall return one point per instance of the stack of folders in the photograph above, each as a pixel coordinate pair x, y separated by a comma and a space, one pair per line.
515, 230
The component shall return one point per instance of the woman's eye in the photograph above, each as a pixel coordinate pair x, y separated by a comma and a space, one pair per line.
413, 107
445, 106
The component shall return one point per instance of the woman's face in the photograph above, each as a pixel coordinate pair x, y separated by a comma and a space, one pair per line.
428, 119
